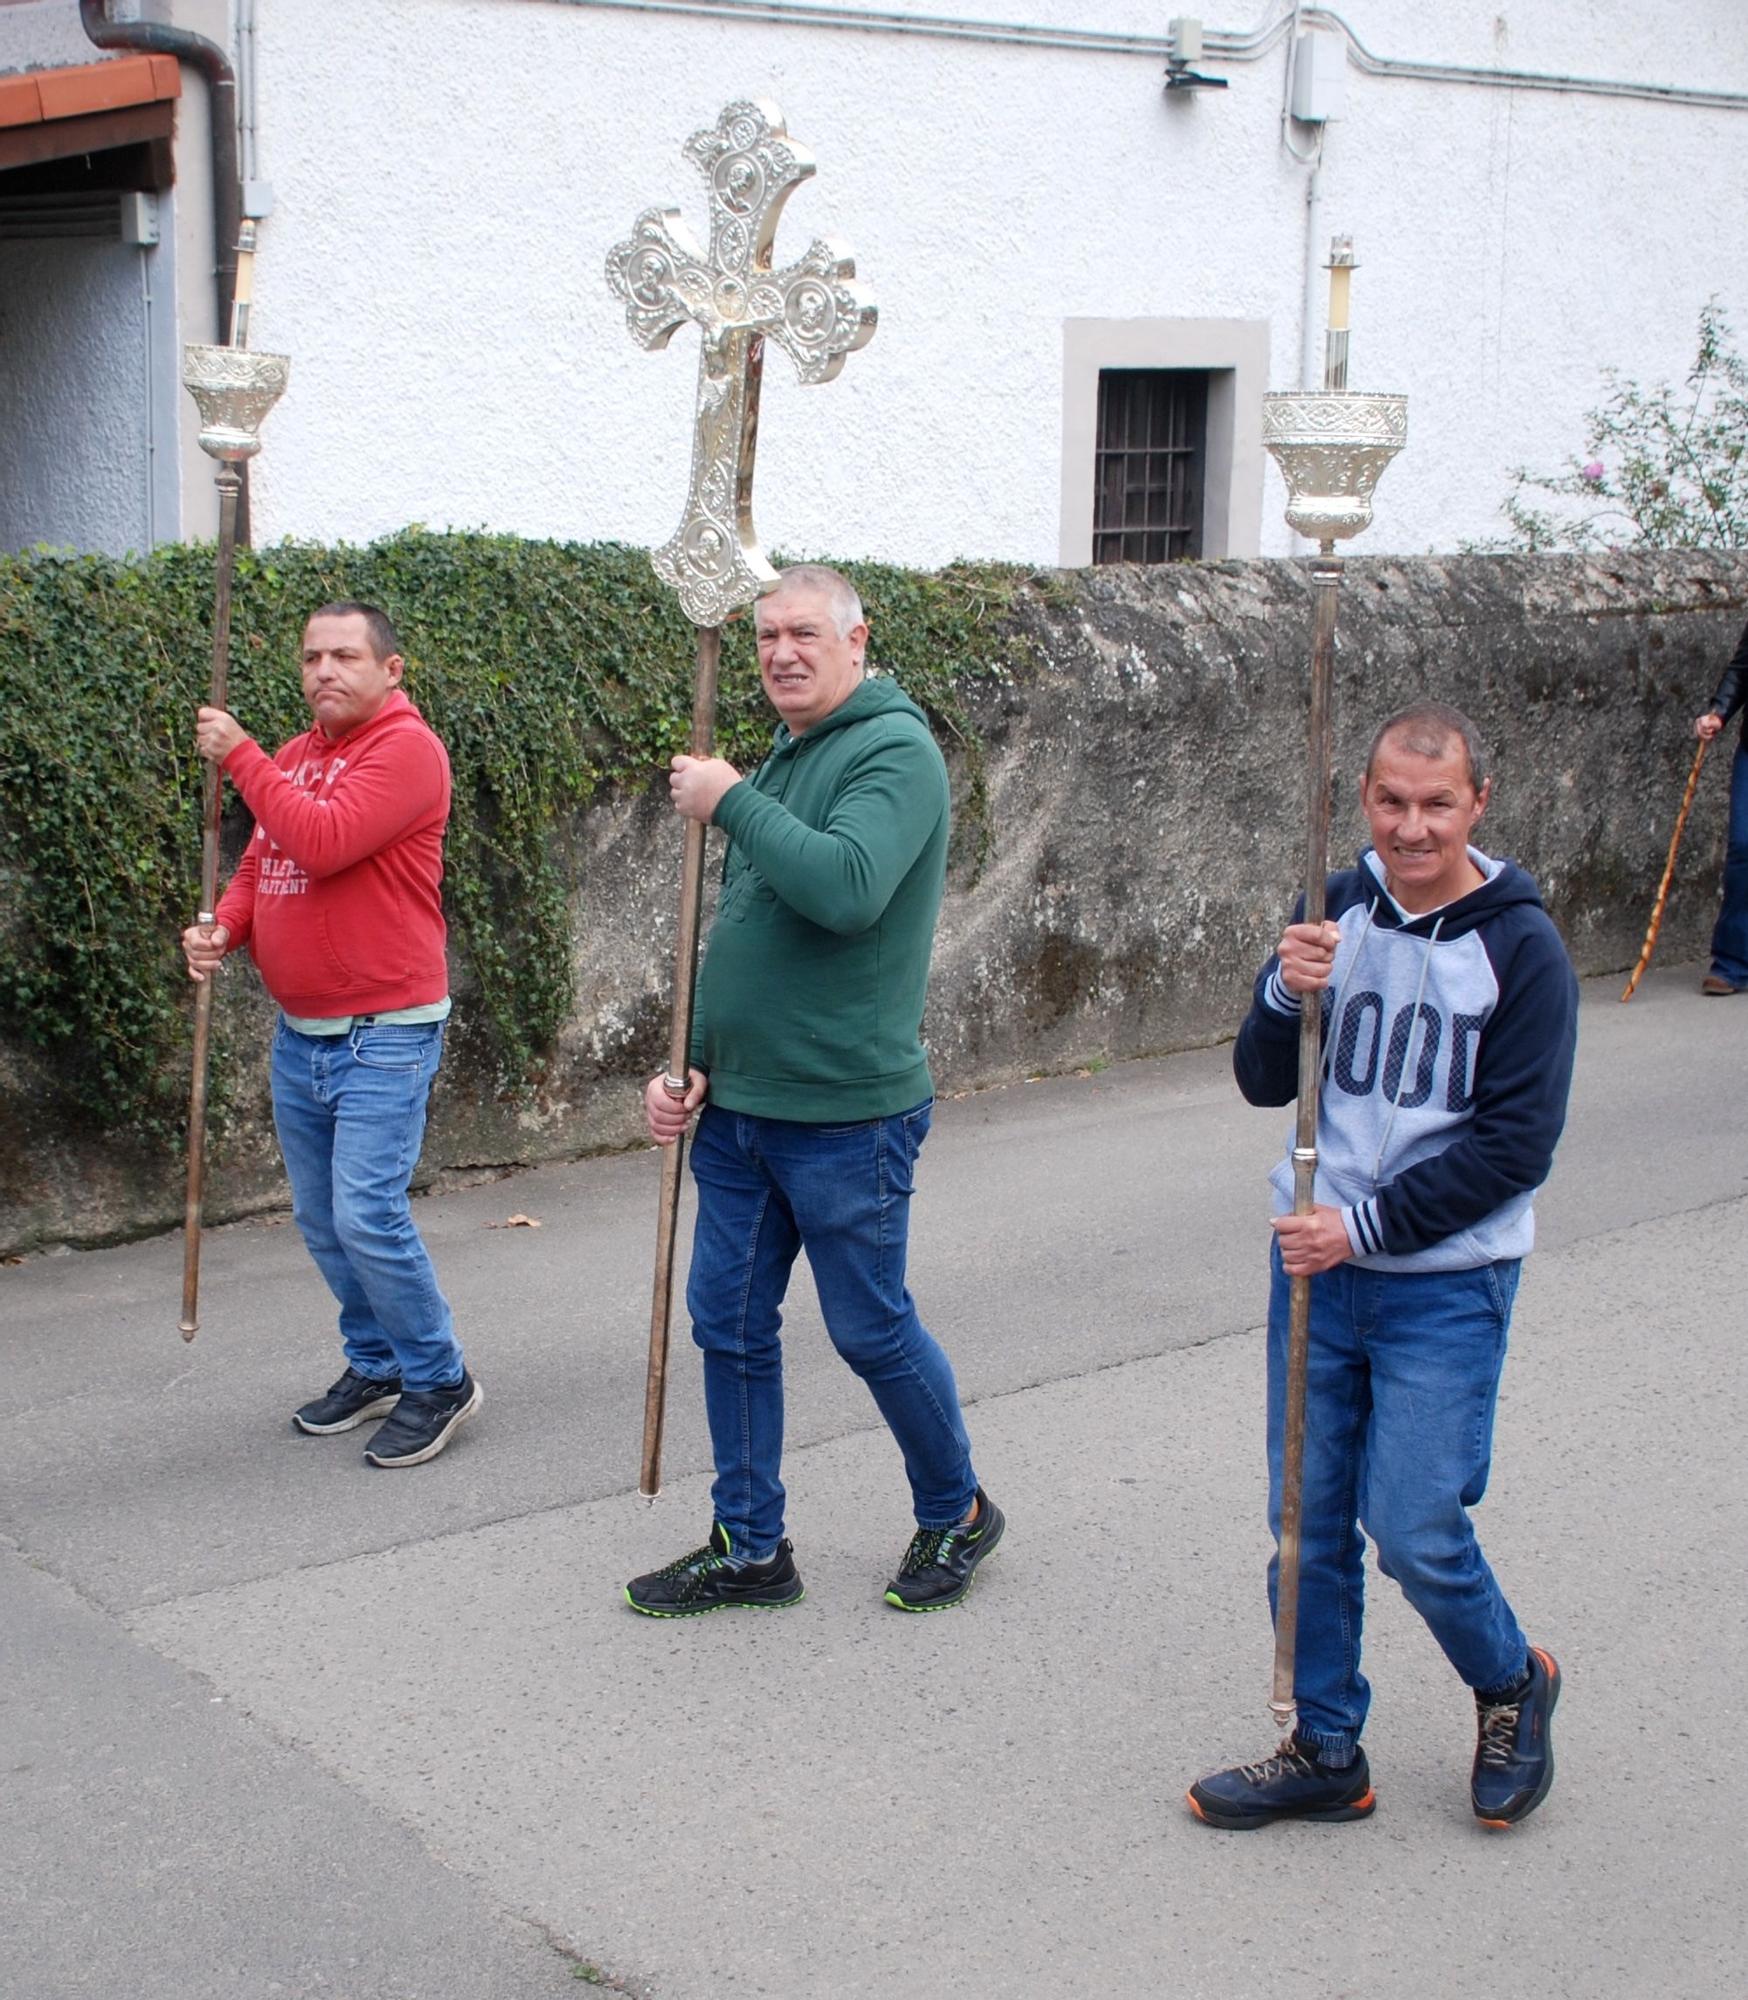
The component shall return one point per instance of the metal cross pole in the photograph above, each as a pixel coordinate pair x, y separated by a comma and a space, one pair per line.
817, 313
234, 389
1331, 449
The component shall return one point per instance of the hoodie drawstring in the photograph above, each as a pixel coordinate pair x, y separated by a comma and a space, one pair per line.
1408, 1046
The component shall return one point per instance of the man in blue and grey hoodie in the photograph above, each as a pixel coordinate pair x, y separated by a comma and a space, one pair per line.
1450, 1019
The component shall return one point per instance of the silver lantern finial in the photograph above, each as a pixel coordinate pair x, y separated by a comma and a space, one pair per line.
234, 390
1332, 450
1332, 447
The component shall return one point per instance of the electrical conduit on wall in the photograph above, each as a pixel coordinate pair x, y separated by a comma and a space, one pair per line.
1227, 45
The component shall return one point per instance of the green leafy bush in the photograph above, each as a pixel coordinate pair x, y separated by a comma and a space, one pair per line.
550, 670
1661, 468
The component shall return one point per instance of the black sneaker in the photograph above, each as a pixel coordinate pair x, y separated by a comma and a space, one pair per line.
423, 1423
352, 1401
940, 1562
1292, 1784
1514, 1747
710, 1579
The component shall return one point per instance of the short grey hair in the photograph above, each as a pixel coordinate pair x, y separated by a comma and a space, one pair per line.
839, 592
1426, 728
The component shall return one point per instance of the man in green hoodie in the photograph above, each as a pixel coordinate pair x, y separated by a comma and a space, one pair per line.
813, 1098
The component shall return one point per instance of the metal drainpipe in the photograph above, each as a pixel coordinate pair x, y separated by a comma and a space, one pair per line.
149, 38
227, 188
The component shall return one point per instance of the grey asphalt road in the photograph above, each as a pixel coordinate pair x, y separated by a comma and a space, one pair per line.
273, 1723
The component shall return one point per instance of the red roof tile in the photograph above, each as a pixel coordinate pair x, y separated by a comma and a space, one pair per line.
40, 96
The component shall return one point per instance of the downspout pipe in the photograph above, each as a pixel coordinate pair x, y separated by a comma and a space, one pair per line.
151, 38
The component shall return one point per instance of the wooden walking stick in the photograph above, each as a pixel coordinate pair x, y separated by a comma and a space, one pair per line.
234, 389
1656, 923
817, 313
1331, 449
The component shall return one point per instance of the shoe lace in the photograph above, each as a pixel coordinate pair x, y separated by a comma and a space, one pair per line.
928, 1546
693, 1569
1498, 1738
1290, 1760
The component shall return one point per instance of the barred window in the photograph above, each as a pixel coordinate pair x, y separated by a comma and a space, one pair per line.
1150, 464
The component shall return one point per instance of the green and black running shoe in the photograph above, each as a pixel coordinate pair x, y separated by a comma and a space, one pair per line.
940, 1562
712, 1578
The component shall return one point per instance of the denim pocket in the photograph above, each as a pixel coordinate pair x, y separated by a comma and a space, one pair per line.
404, 1046
1502, 1277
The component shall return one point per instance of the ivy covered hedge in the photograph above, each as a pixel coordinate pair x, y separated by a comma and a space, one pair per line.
550, 670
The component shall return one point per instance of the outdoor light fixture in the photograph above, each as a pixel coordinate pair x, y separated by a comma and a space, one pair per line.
1185, 34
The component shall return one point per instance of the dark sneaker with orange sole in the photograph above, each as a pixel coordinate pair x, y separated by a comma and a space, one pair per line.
1291, 1784
939, 1564
713, 1578
1514, 1747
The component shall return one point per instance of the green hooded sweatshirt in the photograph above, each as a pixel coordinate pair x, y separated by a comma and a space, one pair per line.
811, 994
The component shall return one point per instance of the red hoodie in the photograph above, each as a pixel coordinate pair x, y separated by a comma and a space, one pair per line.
338, 896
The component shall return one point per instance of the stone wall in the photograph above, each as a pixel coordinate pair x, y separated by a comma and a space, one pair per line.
1145, 818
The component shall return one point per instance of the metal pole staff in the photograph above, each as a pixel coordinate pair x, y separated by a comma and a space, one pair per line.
234, 390
816, 311
1326, 577
655, 1398
1331, 449
1656, 923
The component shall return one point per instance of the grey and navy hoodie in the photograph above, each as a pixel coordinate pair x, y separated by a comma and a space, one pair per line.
1447, 1056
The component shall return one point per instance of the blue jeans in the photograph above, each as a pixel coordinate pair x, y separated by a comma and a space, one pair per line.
768, 1188
1400, 1392
1730, 936
350, 1110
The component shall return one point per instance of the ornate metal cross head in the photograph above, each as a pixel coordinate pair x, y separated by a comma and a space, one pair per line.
813, 309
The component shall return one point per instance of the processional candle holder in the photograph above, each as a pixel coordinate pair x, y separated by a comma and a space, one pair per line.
1332, 448
234, 389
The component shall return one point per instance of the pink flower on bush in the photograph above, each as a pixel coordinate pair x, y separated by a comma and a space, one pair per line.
1592, 472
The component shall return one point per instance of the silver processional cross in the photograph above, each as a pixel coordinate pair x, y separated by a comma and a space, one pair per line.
813, 309
816, 311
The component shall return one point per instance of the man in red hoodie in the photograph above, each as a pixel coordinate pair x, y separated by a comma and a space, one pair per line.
338, 901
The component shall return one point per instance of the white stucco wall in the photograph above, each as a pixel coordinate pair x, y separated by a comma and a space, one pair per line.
41, 34
450, 173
